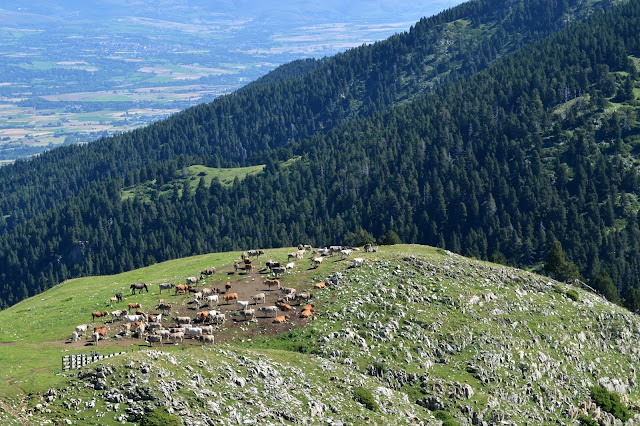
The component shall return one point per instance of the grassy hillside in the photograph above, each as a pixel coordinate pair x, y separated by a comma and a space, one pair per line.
413, 333
191, 175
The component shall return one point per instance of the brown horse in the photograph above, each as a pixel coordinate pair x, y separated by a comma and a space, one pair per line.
99, 314
182, 288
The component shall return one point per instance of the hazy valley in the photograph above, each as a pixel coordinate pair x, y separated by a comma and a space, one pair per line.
82, 71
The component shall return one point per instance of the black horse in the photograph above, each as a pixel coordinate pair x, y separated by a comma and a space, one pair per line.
138, 286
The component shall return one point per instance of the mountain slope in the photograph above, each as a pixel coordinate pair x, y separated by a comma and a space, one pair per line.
470, 155
239, 129
486, 167
422, 329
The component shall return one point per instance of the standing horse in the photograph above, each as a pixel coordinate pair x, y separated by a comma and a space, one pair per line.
166, 286
139, 287
116, 298
99, 314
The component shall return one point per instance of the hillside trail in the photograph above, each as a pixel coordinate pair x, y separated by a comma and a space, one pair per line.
16, 411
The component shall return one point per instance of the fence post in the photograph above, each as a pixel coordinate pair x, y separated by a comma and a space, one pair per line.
73, 361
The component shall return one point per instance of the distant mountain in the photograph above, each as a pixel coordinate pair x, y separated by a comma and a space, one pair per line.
462, 133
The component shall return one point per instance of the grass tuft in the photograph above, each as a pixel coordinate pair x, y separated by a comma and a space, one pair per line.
365, 397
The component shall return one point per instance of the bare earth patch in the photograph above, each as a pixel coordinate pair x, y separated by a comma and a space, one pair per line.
235, 327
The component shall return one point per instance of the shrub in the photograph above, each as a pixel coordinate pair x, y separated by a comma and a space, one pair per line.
390, 238
587, 421
604, 284
359, 238
365, 397
573, 295
498, 257
610, 402
160, 417
301, 348
379, 368
446, 418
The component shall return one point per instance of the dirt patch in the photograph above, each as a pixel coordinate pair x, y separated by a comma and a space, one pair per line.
15, 407
235, 327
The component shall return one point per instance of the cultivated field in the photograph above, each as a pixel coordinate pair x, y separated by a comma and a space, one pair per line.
109, 71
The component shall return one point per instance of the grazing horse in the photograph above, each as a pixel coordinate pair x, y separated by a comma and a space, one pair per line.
139, 287
166, 286
182, 288
279, 270
101, 330
229, 297
194, 280
164, 307
272, 283
272, 264
202, 316
255, 253
116, 298
100, 314
208, 271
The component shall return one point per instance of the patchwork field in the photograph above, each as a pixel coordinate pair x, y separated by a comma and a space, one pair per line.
112, 70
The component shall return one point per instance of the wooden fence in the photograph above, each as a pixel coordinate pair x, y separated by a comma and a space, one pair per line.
70, 362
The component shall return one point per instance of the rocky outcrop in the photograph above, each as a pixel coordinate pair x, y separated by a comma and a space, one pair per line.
487, 344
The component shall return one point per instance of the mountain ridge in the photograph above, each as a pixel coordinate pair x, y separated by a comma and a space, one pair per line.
420, 329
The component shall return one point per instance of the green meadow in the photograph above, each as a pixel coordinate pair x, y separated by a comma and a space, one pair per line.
192, 175
471, 333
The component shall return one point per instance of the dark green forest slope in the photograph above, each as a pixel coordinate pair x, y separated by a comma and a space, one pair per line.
293, 102
500, 163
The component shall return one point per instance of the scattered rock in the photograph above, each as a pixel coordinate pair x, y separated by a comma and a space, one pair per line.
316, 409
432, 403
